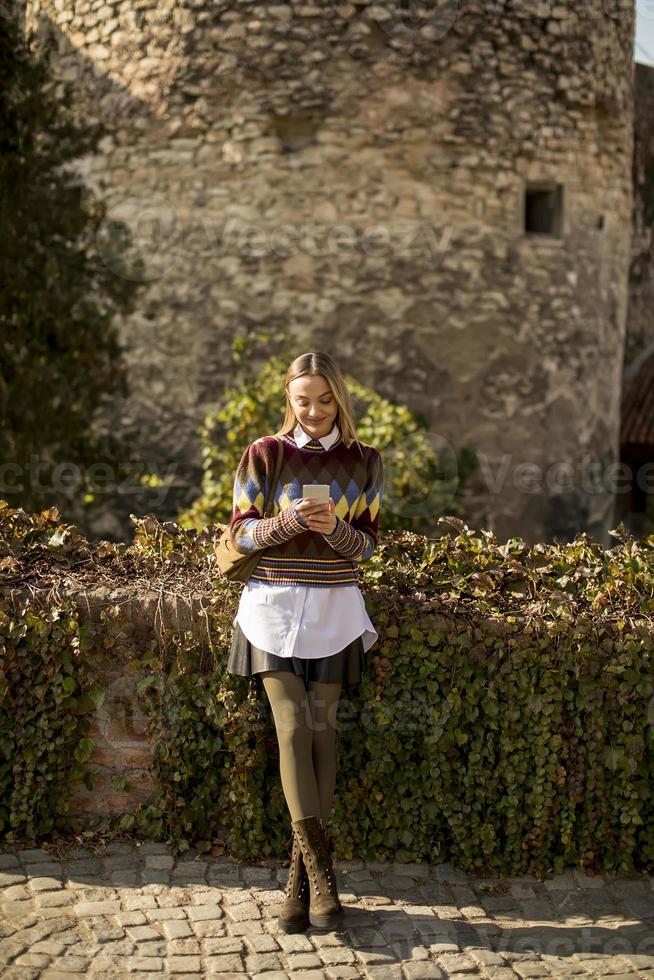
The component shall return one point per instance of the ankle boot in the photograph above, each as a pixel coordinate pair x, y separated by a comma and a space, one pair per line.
328, 837
325, 909
294, 914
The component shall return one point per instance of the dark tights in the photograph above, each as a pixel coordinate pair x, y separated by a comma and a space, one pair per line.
305, 722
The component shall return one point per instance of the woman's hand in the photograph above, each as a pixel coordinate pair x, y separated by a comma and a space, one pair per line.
319, 517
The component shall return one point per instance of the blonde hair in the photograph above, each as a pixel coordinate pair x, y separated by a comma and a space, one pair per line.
314, 363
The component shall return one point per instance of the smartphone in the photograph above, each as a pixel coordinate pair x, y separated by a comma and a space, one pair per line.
318, 492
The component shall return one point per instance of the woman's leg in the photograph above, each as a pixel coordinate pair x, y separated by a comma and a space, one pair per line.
323, 700
292, 716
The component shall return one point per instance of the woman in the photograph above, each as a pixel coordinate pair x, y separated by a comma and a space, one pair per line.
302, 625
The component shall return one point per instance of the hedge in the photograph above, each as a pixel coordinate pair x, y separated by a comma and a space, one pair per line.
505, 722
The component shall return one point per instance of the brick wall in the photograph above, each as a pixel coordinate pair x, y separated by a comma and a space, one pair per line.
136, 620
122, 748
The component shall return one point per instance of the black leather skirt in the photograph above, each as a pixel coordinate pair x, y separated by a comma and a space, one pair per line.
346, 666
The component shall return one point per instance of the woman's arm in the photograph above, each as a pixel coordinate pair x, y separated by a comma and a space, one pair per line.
357, 540
249, 530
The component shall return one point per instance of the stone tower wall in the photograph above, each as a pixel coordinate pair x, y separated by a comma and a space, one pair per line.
640, 320
355, 176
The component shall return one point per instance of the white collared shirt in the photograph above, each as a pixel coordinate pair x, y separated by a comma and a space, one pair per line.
300, 620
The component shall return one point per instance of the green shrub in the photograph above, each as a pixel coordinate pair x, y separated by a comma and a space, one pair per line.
421, 480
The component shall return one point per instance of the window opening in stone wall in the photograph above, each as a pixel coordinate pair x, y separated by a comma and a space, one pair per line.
543, 211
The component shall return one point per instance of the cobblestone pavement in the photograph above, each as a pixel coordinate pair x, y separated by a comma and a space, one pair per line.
135, 911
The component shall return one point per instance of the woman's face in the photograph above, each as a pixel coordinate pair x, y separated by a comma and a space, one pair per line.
313, 403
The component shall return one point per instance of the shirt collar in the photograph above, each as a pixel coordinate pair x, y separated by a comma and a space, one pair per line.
302, 437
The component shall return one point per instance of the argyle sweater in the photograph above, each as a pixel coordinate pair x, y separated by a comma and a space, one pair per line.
293, 554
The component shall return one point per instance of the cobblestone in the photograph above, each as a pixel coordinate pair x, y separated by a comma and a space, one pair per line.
102, 916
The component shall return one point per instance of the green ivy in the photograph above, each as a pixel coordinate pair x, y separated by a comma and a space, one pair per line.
45, 696
487, 731
505, 721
